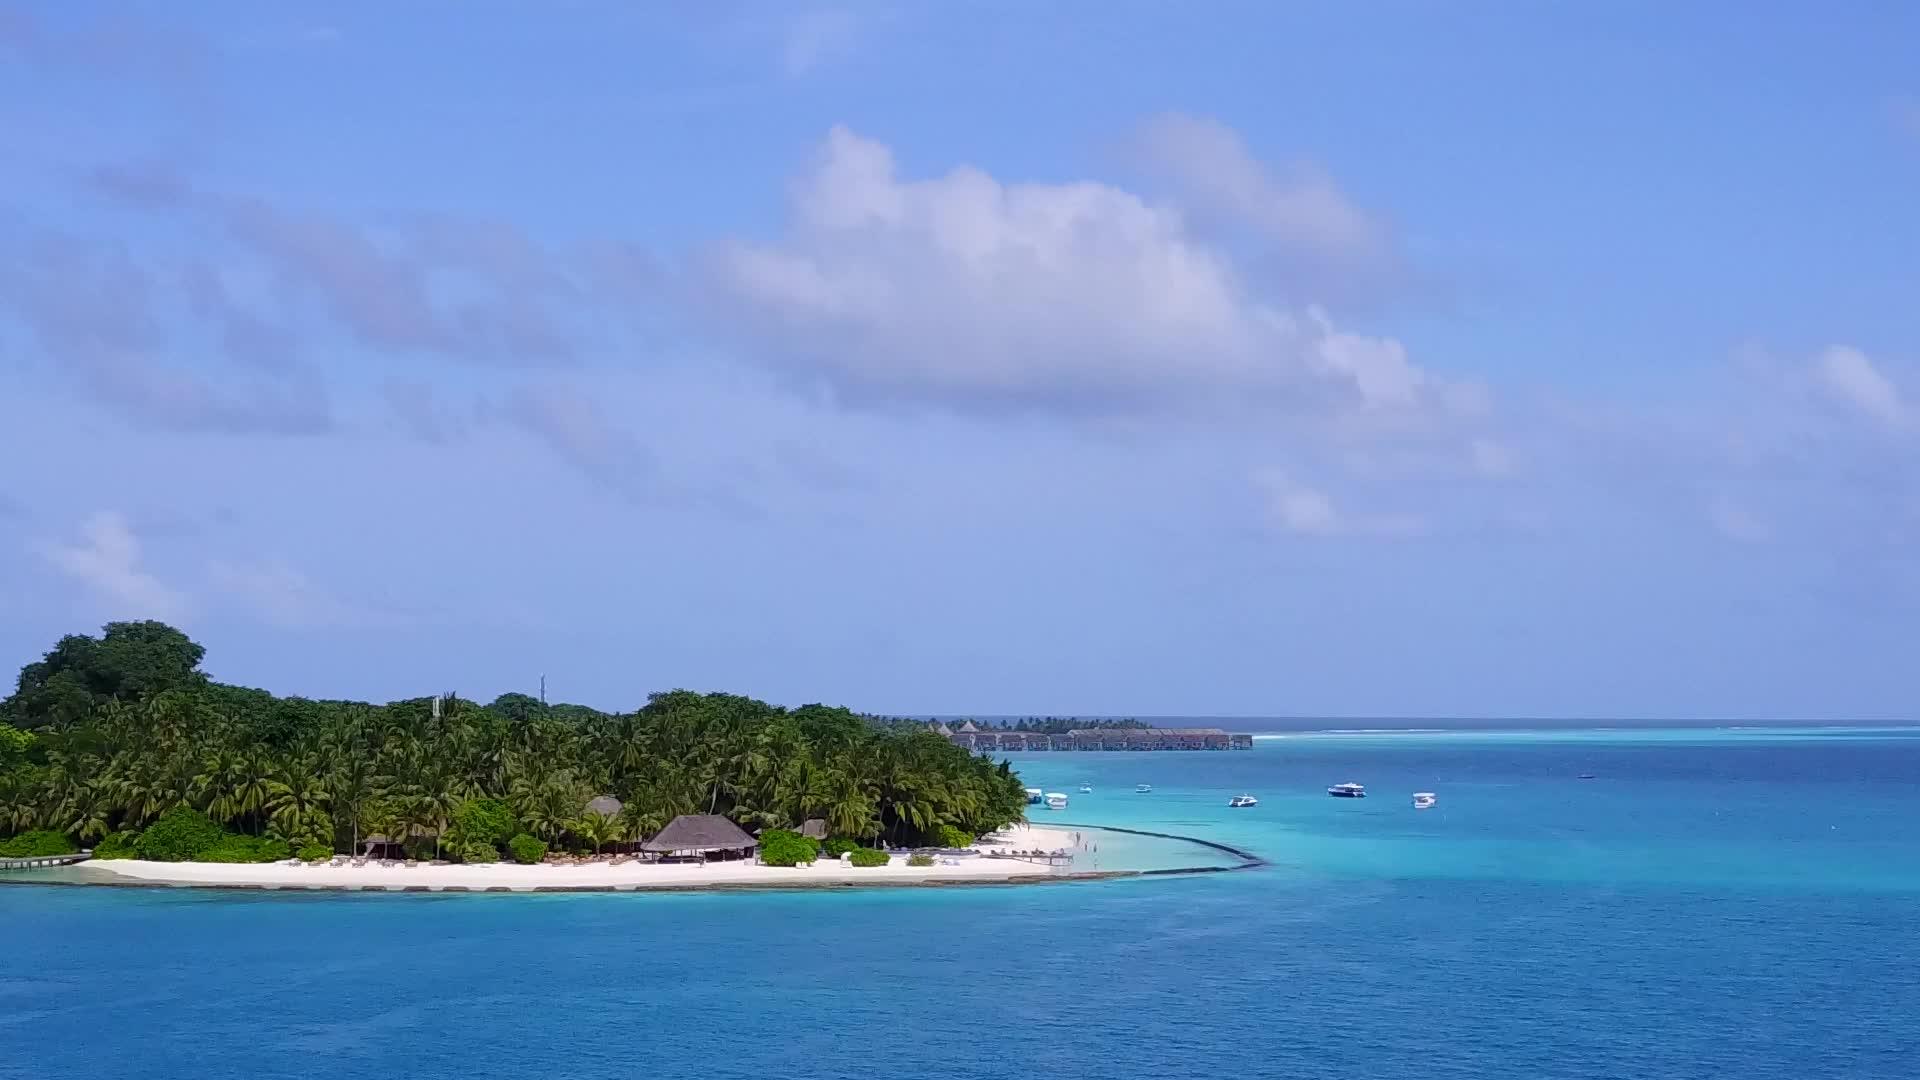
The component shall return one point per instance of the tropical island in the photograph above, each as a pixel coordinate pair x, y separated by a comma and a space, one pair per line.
121, 744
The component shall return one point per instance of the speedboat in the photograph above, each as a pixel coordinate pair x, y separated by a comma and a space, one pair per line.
1086, 789
1143, 788
1348, 791
1056, 801
1239, 801
1424, 799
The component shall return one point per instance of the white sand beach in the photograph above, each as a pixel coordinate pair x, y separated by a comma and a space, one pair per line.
632, 875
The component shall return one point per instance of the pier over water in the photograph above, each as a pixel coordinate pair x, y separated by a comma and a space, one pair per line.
38, 862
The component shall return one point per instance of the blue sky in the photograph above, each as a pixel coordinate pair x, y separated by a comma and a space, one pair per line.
999, 358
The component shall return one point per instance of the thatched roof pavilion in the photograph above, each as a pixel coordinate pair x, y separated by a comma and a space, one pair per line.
700, 834
814, 828
606, 806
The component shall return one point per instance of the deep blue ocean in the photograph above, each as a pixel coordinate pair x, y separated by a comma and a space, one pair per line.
1738, 903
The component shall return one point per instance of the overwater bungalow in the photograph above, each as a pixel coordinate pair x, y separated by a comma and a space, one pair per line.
702, 837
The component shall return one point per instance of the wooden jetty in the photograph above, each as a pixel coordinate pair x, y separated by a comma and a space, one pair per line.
39, 861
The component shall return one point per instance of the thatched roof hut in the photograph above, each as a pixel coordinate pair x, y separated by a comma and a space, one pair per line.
606, 806
700, 834
814, 828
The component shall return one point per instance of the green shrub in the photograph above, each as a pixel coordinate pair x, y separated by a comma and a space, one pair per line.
919, 860
476, 852
480, 821
783, 847
869, 857
180, 835
37, 844
527, 849
840, 845
234, 848
117, 845
315, 852
947, 836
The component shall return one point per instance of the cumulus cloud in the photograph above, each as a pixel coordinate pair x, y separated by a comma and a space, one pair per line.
1299, 208
968, 291
1294, 507
1854, 381
107, 560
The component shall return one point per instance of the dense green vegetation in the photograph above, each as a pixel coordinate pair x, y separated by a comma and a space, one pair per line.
124, 734
868, 857
35, 844
527, 849
784, 847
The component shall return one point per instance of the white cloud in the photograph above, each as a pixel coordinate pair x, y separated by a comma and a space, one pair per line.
1294, 507
107, 560
966, 290
1848, 375
285, 597
1299, 207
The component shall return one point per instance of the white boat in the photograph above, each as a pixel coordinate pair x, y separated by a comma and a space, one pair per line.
1056, 801
1086, 789
1424, 799
1239, 801
1143, 788
1035, 797
1348, 791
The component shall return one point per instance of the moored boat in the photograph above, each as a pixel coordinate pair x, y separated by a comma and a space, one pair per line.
1240, 801
1086, 789
1035, 796
1348, 790
1056, 800
1143, 788
1424, 799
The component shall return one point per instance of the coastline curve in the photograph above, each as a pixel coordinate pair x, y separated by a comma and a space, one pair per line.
1245, 860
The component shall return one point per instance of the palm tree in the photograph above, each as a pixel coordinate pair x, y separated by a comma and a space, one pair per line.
596, 829
298, 802
87, 813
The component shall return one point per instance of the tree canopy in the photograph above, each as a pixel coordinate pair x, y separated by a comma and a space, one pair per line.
117, 731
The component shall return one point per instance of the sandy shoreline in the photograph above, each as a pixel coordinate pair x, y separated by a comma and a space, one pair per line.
513, 877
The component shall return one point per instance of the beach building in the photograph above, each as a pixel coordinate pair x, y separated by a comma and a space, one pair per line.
702, 837
814, 828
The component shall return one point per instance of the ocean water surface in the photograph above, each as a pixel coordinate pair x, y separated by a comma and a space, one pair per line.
1731, 902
